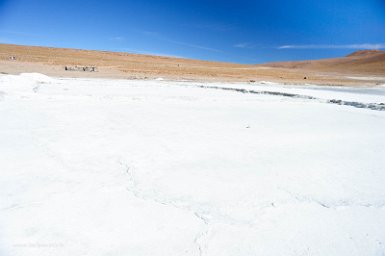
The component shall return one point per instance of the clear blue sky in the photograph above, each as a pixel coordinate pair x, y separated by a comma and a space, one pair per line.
238, 31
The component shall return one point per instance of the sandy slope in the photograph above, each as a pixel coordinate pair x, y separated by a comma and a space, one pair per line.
51, 61
123, 167
370, 62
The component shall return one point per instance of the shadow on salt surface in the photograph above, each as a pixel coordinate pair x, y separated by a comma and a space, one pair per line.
372, 106
37, 78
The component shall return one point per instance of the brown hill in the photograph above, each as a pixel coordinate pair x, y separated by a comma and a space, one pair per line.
365, 62
79, 63
365, 53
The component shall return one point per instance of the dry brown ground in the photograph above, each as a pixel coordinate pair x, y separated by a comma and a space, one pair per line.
366, 62
367, 66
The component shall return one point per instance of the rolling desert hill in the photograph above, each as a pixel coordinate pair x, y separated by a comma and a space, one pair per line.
362, 68
362, 62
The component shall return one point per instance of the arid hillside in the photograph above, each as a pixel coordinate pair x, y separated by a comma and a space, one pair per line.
362, 62
362, 68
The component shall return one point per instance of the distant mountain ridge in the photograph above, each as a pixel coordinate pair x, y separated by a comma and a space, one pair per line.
362, 61
366, 53
368, 66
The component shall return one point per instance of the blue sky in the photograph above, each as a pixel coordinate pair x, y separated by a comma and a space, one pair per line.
240, 31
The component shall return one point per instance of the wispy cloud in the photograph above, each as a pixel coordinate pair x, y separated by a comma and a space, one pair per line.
218, 27
244, 45
166, 39
196, 46
116, 39
366, 46
136, 51
149, 33
17, 33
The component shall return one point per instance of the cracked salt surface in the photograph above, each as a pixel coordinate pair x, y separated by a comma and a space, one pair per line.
114, 167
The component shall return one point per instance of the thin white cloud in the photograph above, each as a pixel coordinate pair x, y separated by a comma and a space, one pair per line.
117, 39
244, 45
137, 51
218, 27
149, 33
163, 38
17, 33
193, 46
335, 46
